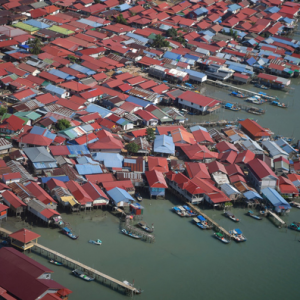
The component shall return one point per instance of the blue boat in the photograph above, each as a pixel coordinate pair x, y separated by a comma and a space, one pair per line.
203, 221
252, 215
295, 226
96, 242
198, 223
135, 236
189, 211
219, 236
82, 275
69, 233
237, 235
178, 211
237, 94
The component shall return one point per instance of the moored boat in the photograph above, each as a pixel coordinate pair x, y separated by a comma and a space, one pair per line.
231, 216
219, 236
237, 94
95, 242
231, 106
255, 111
178, 211
295, 226
198, 223
144, 226
295, 204
204, 222
138, 197
252, 215
278, 104
69, 233
135, 236
255, 100
261, 86
82, 275
237, 235
54, 262
136, 291
189, 211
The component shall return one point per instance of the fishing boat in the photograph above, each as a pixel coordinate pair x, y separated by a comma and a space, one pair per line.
295, 226
278, 104
237, 235
261, 86
252, 215
204, 222
237, 94
295, 204
136, 291
96, 242
54, 262
189, 211
255, 111
255, 100
138, 197
82, 275
231, 216
183, 210
178, 211
231, 106
69, 233
219, 236
144, 226
198, 223
135, 236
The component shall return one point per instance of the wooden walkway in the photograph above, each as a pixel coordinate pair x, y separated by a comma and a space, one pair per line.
268, 212
69, 262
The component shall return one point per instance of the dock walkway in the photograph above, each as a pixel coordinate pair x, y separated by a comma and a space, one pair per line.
69, 262
268, 212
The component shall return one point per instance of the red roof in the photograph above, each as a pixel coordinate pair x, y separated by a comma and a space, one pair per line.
39, 193
166, 130
216, 166
53, 183
233, 170
198, 99
15, 122
145, 115
24, 235
99, 178
225, 146
195, 169
122, 184
197, 152
78, 192
261, 169
286, 186
202, 136
94, 191
156, 179
10, 176
244, 157
158, 163
236, 178
254, 128
59, 150
48, 213
228, 157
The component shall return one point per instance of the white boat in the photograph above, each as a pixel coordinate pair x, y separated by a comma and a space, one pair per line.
96, 242
184, 212
237, 235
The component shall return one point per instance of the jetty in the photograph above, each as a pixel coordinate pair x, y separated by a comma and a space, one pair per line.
276, 217
74, 264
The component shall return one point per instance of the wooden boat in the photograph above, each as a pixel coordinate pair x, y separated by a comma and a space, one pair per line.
219, 236
278, 104
136, 291
189, 211
183, 210
252, 215
82, 275
231, 216
198, 223
255, 100
138, 197
134, 236
255, 111
295, 204
96, 242
237, 235
178, 211
204, 222
144, 226
295, 226
69, 233
261, 86
54, 262
237, 94
234, 108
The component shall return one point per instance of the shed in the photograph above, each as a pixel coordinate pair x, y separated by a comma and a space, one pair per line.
164, 144
120, 197
275, 200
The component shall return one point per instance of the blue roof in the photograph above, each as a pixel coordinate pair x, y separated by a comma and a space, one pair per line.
82, 69
103, 112
90, 23
61, 74
234, 7
138, 101
251, 61
252, 195
189, 56
78, 149
238, 231
273, 9
122, 7
285, 146
119, 195
36, 23
38, 130
54, 89
195, 73
164, 144
138, 38
110, 160
86, 160
87, 169
275, 198
172, 55
61, 178
201, 11
197, 127
229, 105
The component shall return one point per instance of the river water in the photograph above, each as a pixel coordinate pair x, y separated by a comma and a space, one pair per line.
184, 262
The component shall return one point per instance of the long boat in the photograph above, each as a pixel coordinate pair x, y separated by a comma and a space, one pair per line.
231, 216
198, 223
255, 111
237, 94
219, 236
132, 235
204, 222
252, 215
54, 262
95, 242
178, 211
295, 226
237, 235
295, 204
80, 274
189, 211
144, 226
67, 231
183, 210
255, 100
279, 104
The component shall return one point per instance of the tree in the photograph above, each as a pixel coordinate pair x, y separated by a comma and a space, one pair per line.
172, 32
3, 110
132, 147
120, 19
72, 58
97, 1
159, 42
181, 40
150, 134
35, 46
63, 124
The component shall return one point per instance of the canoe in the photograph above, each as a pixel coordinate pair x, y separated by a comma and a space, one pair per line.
135, 236
144, 226
219, 236
96, 242
80, 274
52, 261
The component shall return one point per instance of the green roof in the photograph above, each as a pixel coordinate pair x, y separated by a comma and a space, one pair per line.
69, 132
61, 30
162, 116
152, 36
26, 27
13, 76
28, 114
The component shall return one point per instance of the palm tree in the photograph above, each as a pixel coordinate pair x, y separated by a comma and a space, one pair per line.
35, 46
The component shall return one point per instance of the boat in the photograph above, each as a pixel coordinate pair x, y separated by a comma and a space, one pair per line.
144, 226
231, 106
138, 197
178, 211
231, 216
54, 262
69, 233
219, 236
183, 210
255, 100
204, 222
96, 242
278, 104
261, 86
82, 275
198, 223
255, 111
295, 204
252, 215
189, 211
237, 235
136, 291
295, 226
237, 94
135, 236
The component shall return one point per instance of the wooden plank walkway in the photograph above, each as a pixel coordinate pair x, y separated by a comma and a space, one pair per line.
77, 264
276, 217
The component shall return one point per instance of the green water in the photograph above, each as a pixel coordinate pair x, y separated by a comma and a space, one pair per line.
184, 262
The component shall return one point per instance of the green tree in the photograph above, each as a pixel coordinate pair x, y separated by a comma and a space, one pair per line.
72, 58
120, 19
63, 124
150, 134
35, 46
181, 40
3, 110
132, 147
231, 32
159, 41
172, 32
97, 1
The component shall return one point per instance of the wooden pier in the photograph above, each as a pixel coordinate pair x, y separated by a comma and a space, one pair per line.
74, 264
276, 217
